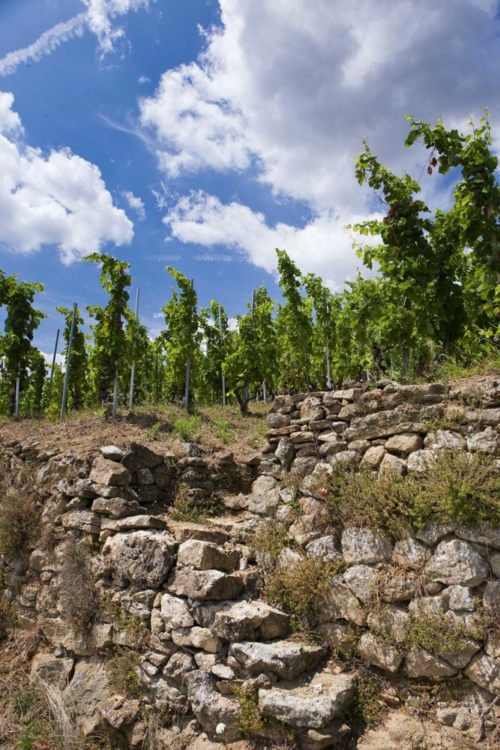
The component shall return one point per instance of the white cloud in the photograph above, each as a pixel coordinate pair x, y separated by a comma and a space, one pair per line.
286, 89
99, 18
57, 198
322, 246
135, 203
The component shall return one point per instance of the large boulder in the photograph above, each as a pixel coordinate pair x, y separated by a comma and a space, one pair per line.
457, 561
286, 659
365, 546
314, 705
250, 621
140, 558
207, 556
109, 472
88, 691
205, 585
175, 613
264, 497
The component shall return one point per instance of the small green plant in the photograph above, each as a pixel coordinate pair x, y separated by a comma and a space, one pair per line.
271, 538
123, 674
193, 509
367, 706
225, 429
299, 590
154, 430
250, 721
187, 427
434, 633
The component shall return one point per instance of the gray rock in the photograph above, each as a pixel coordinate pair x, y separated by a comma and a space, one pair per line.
495, 563
141, 457
168, 697
314, 705
196, 637
117, 507
390, 622
457, 562
55, 672
339, 603
460, 598
284, 452
362, 581
421, 461
410, 553
217, 714
484, 442
379, 652
420, 663
325, 547
140, 558
275, 421
207, 556
483, 535
204, 585
130, 523
250, 621
364, 546
342, 457
88, 690
315, 484
485, 672
286, 659
311, 409
432, 534
178, 665
82, 520
175, 613
445, 439
264, 498
111, 452
491, 596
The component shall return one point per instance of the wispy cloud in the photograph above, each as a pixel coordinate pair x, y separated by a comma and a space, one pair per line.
47, 43
98, 18
135, 204
209, 258
159, 258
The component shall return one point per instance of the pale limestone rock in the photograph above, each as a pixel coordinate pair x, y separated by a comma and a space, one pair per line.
485, 672
204, 585
111, 452
405, 443
288, 558
325, 547
109, 473
373, 457
392, 465
315, 484
349, 394
457, 562
390, 622
339, 636
250, 621
445, 439
169, 697
484, 442
216, 713
197, 638
314, 705
495, 563
432, 534
311, 409
339, 603
140, 558
207, 556
410, 553
286, 659
175, 613
460, 598
362, 581
82, 520
178, 665
421, 460
365, 546
343, 457
397, 585
492, 647
141, 457
111, 526
420, 663
379, 652
483, 535
264, 498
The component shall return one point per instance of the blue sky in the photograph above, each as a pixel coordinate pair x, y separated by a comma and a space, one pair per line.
205, 133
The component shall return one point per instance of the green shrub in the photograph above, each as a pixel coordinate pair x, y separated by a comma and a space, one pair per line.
188, 427
299, 590
123, 676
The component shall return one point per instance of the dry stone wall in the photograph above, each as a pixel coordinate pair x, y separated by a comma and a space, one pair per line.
185, 599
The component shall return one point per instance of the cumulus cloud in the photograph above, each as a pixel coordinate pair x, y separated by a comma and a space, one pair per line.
286, 90
321, 247
135, 204
57, 198
99, 18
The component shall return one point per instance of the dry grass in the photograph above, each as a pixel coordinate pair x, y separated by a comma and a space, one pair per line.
20, 507
77, 587
162, 427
